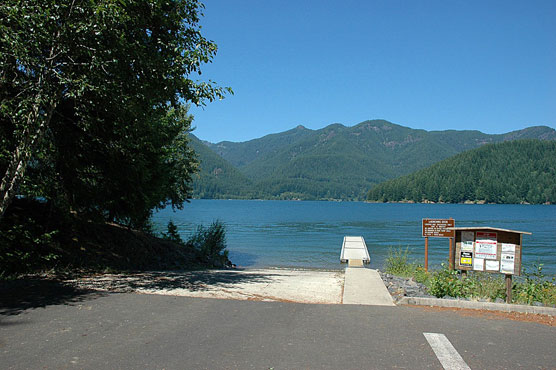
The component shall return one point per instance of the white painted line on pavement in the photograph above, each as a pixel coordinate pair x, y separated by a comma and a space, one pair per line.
445, 351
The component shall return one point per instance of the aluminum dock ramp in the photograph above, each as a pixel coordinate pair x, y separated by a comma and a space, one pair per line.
355, 249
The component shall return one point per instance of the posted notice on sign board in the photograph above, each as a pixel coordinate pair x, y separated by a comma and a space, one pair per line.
466, 259
507, 258
467, 241
485, 245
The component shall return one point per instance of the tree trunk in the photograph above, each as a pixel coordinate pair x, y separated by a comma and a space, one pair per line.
23, 153
30, 141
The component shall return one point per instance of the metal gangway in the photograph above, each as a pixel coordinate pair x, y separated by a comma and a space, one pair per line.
355, 249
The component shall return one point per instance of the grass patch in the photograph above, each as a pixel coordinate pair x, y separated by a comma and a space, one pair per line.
398, 263
530, 288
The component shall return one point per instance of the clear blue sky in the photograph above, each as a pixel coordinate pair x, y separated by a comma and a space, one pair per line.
433, 65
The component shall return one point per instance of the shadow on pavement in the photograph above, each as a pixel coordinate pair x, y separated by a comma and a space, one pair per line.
19, 295
189, 280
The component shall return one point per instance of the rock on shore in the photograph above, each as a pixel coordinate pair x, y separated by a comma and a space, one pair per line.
400, 287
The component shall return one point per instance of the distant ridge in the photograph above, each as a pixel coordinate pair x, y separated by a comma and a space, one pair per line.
522, 171
335, 162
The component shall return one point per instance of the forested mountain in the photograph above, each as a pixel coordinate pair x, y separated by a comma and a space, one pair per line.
218, 178
338, 162
522, 171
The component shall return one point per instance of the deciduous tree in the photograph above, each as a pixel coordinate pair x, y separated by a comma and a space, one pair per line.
93, 94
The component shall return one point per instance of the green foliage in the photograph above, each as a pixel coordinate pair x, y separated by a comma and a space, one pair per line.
335, 162
522, 171
217, 178
172, 233
445, 283
535, 287
530, 288
210, 242
34, 237
29, 239
398, 263
93, 98
33, 249
476, 285
480, 285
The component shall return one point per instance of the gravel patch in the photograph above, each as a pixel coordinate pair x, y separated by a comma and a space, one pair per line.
400, 287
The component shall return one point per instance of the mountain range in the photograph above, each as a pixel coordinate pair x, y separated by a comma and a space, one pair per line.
333, 163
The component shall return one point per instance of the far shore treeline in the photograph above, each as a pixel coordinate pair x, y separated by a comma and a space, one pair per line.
381, 161
521, 171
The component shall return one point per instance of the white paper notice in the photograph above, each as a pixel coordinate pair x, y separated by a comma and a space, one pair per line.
507, 263
478, 264
467, 238
508, 248
485, 245
492, 265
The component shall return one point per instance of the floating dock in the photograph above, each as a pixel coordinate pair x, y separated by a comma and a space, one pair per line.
362, 286
354, 248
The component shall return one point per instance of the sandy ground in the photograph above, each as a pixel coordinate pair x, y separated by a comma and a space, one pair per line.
287, 285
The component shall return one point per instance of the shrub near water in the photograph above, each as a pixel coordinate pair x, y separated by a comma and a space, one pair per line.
527, 289
535, 287
209, 242
450, 283
398, 264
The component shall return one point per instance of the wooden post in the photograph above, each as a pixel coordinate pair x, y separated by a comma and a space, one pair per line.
508, 288
451, 261
426, 253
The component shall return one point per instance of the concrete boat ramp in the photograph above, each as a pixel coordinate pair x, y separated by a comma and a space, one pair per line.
356, 285
362, 286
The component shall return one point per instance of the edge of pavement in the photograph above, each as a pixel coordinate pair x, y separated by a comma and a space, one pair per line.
455, 303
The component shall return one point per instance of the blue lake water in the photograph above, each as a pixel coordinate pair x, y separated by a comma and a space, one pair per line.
310, 234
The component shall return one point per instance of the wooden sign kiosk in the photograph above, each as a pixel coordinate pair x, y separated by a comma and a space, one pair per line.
491, 250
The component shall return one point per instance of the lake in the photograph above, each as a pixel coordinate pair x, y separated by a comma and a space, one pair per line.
309, 234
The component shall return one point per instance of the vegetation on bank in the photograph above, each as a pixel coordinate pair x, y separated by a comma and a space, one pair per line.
36, 238
532, 287
522, 171
94, 132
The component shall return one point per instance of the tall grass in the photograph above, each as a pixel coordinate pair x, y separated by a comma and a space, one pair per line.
532, 287
398, 263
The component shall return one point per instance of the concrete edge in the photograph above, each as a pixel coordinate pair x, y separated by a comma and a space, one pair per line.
455, 303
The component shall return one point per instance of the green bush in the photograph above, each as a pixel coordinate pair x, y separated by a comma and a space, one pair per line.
535, 287
172, 233
398, 263
532, 287
27, 243
445, 282
210, 242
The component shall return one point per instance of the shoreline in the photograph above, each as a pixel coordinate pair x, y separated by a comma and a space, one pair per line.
467, 202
